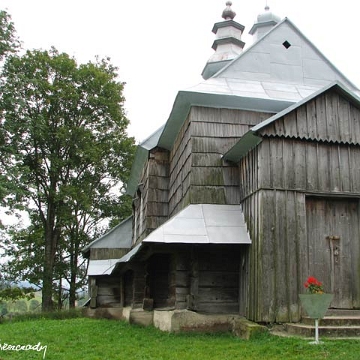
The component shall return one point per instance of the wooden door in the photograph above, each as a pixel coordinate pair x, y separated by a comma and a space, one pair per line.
333, 245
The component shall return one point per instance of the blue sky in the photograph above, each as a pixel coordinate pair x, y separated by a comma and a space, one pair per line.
161, 47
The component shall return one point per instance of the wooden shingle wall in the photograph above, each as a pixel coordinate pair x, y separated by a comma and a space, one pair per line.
197, 172
151, 200
214, 132
107, 253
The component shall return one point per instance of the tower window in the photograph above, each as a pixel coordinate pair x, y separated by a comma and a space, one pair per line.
286, 44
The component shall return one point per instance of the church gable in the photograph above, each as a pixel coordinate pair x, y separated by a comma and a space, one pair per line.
283, 56
331, 116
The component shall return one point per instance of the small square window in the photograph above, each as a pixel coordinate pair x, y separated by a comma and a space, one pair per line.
286, 44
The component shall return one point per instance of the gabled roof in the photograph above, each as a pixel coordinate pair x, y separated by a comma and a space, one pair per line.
119, 236
268, 58
252, 139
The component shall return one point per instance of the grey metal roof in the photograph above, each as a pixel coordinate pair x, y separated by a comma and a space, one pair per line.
314, 69
250, 139
203, 224
199, 224
119, 236
101, 267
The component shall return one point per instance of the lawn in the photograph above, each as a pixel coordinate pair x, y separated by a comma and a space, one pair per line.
90, 339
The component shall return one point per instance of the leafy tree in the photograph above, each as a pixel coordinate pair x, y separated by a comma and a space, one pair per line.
9, 42
64, 148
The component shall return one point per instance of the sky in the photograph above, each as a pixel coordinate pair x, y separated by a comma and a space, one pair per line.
161, 47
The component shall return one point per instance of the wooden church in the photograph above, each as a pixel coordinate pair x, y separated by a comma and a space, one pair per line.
251, 186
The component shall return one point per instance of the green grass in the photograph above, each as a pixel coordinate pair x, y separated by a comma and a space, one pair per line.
90, 339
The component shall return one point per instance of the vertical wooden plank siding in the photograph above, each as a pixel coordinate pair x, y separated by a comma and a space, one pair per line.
279, 254
328, 117
291, 164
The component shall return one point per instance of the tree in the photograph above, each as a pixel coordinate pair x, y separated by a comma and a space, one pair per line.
64, 148
9, 44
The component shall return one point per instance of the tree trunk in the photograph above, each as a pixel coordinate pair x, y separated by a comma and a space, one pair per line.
52, 235
47, 302
72, 291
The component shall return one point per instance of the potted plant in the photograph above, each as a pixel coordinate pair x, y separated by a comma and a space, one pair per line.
315, 302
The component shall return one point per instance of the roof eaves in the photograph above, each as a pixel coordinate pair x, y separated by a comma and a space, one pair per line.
141, 155
87, 247
336, 85
251, 139
186, 99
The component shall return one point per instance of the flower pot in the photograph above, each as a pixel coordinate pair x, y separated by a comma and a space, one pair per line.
316, 305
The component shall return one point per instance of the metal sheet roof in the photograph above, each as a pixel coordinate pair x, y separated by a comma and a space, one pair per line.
199, 224
203, 224
101, 267
119, 236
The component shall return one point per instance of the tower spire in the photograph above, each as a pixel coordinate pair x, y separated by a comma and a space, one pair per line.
227, 44
265, 22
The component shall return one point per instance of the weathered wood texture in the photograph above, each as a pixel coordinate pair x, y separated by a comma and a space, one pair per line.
197, 172
333, 248
302, 165
107, 291
207, 278
311, 151
102, 254
150, 205
328, 117
276, 221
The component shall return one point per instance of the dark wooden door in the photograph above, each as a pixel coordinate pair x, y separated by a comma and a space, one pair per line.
333, 244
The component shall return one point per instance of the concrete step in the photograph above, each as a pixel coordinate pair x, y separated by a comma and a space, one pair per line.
334, 320
325, 331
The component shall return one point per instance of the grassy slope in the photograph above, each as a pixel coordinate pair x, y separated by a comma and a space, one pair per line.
91, 339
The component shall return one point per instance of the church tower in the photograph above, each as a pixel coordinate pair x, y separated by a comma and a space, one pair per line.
227, 45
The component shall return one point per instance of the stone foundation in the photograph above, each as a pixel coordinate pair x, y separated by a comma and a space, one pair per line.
182, 321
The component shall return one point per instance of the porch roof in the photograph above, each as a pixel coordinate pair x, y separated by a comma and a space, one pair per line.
101, 267
199, 224
203, 224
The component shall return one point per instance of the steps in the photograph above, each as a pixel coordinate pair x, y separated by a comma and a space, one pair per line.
336, 323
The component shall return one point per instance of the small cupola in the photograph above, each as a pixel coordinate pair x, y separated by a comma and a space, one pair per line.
227, 44
265, 22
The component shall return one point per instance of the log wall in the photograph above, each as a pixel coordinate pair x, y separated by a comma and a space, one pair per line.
208, 277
